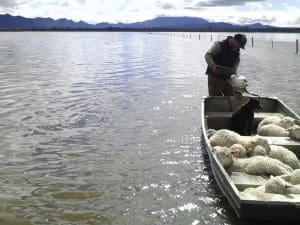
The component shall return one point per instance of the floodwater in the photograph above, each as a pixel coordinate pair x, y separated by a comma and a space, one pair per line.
104, 128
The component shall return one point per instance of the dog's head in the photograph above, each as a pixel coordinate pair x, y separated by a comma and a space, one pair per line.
254, 103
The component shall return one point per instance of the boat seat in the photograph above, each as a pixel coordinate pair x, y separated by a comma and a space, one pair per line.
257, 115
244, 180
219, 120
285, 141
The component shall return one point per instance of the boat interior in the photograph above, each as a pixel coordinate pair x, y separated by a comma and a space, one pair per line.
217, 114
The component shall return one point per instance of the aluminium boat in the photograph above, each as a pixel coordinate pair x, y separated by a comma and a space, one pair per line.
216, 112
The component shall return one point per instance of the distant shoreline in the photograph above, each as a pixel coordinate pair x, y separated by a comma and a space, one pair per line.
114, 29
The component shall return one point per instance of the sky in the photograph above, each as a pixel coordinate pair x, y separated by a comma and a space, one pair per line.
285, 13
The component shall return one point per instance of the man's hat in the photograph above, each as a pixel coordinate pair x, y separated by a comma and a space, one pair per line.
242, 39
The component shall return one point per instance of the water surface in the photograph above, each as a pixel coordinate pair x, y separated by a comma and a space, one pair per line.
104, 128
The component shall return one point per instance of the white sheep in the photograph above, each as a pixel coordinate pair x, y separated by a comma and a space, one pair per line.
284, 155
277, 131
260, 165
255, 165
224, 155
294, 132
210, 132
259, 193
224, 138
278, 152
284, 122
275, 189
277, 185
227, 138
272, 130
238, 151
293, 177
269, 120
287, 122
258, 150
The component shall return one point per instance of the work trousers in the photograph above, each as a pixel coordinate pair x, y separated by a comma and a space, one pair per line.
219, 87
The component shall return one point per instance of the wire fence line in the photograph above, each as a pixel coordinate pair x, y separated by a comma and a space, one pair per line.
210, 37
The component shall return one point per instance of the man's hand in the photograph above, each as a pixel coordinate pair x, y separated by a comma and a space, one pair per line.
215, 68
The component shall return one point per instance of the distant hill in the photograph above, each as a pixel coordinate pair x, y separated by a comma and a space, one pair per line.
18, 22
171, 22
9, 22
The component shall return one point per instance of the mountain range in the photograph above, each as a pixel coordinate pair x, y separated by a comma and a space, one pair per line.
9, 22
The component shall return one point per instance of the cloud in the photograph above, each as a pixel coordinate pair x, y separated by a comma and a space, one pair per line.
124, 5
254, 6
81, 1
195, 8
263, 20
65, 4
11, 3
165, 6
296, 21
215, 3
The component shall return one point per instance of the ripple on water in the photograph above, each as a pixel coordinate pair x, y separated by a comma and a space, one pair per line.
76, 195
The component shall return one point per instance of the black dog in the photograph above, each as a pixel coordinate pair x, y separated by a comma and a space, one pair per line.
242, 117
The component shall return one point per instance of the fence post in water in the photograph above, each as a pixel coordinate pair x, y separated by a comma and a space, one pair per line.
252, 42
296, 46
272, 42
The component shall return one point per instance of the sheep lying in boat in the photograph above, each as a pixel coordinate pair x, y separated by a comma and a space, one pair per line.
238, 151
284, 155
276, 189
272, 130
293, 177
257, 165
294, 132
284, 122
277, 152
279, 127
278, 131
258, 150
227, 138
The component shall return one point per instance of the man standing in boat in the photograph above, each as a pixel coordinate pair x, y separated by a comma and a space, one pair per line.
223, 59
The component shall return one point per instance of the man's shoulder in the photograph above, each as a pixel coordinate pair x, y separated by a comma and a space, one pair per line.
217, 46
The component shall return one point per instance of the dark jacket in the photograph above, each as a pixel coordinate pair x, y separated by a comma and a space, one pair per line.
227, 57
